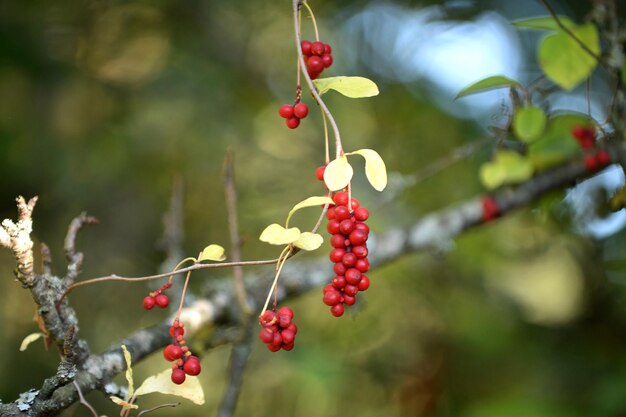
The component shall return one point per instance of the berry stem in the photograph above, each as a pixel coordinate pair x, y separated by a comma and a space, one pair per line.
314, 92
169, 281
284, 255
182, 297
317, 34
326, 147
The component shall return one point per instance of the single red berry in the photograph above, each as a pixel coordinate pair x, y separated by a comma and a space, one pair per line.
306, 47
286, 111
176, 331
340, 268
362, 226
319, 172
172, 352
330, 213
346, 226
327, 60
331, 298
287, 311
266, 335
313, 74
288, 337
162, 300
337, 310
603, 157
336, 255
328, 287
317, 48
278, 339
342, 213
292, 122
292, 328
349, 299
192, 365
288, 347
327, 49
337, 241
178, 376
341, 198
339, 281
284, 320
490, 209
358, 237
364, 284
591, 162
353, 276
333, 225
315, 64
362, 265
355, 204
360, 251
579, 132
349, 259
268, 318
350, 289
361, 214
148, 302
300, 110
587, 143
273, 348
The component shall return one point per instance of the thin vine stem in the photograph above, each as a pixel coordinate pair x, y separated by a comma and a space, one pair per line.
282, 259
317, 34
182, 297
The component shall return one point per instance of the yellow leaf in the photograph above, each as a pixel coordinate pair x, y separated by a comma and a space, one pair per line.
212, 253
375, 169
309, 241
275, 234
129, 372
338, 174
309, 202
123, 403
29, 339
162, 382
353, 87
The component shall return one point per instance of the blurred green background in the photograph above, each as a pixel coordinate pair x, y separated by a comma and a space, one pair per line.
104, 103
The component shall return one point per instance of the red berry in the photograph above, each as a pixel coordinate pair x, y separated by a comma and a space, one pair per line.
288, 337
287, 311
355, 204
313, 74
172, 352
337, 241
148, 302
337, 310
349, 259
327, 49
178, 376
362, 226
358, 237
328, 287
579, 132
353, 276
346, 226
339, 281
349, 299
362, 265
300, 110
162, 300
288, 346
603, 157
306, 47
364, 284
327, 60
292, 122
273, 348
342, 213
336, 255
192, 365
333, 225
340, 268
315, 64
317, 48
284, 320
591, 163
286, 111
266, 335
331, 298
278, 339
360, 251
292, 328
490, 209
350, 289
319, 172
361, 214
341, 198
268, 318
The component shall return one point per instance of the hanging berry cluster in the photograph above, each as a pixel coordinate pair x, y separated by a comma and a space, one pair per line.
293, 114
278, 330
585, 135
157, 298
317, 56
184, 363
346, 224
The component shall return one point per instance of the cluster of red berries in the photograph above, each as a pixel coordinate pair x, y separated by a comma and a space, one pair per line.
184, 363
293, 114
346, 224
490, 208
279, 331
317, 56
157, 297
585, 135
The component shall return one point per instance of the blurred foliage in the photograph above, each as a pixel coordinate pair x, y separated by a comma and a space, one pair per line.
102, 103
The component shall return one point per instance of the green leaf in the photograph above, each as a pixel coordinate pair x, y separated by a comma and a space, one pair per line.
29, 339
486, 84
529, 123
309, 241
508, 167
129, 372
212, 253
353, 87
275, 234
563, 60
557, 145
543, 23
162, 382
309, 202
338, 173
375, 169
